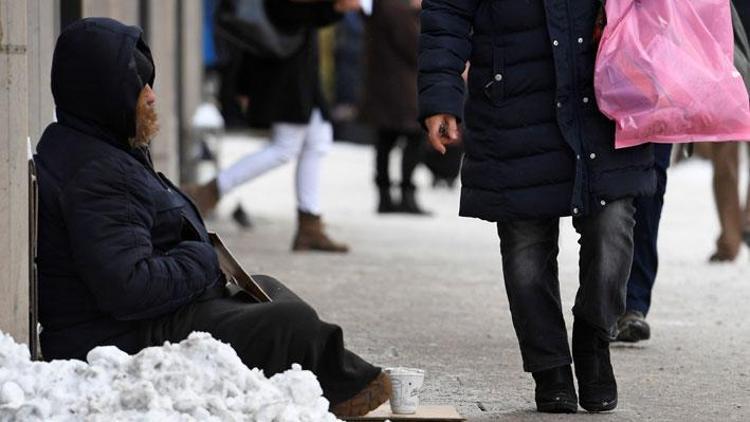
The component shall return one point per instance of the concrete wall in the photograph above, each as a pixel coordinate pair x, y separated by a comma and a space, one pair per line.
162, 38
14, 225
125, 11
191, 79
42, 33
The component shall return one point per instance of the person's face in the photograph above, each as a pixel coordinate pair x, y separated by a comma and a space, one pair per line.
146, 120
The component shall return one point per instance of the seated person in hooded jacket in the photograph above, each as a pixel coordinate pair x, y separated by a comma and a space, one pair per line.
124, 258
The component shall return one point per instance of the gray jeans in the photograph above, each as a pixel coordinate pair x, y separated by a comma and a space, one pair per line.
529, 250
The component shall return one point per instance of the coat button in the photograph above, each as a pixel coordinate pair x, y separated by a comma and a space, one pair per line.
555, 43
603, 202
585, 100
592, 156
578, 156
559, 104
580, 40
498, 77
575, 211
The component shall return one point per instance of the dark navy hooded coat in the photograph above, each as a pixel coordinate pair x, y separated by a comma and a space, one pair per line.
536, 144
118, 244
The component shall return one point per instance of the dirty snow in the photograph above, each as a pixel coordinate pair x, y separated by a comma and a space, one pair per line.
198, 379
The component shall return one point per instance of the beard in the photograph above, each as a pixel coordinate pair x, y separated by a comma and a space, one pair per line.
146, 124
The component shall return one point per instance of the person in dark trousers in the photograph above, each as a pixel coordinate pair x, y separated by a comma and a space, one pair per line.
537, 149
390, 98
124, 258
632, 326
285, 96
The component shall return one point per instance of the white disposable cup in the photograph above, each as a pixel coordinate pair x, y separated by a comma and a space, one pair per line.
405, 386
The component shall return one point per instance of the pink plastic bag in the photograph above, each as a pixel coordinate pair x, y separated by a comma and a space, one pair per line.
665, 73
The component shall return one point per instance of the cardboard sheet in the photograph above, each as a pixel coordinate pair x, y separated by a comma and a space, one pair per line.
424, 413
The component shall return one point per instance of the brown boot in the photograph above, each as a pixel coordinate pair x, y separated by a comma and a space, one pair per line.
206, 197
311, 236
377, 392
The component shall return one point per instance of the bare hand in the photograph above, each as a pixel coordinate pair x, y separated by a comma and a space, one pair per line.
442, 130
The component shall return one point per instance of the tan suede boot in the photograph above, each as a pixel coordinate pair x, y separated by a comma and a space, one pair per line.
312, 237
377, 392
206, 196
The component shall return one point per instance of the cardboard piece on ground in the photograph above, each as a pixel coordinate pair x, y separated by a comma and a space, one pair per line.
234, 271
424, 413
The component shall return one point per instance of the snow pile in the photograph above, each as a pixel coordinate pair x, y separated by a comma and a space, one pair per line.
198, 379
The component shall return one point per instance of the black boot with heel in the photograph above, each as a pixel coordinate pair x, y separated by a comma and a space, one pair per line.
597, 387
555, 392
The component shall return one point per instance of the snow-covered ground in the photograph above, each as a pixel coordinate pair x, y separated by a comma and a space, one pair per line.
199, 379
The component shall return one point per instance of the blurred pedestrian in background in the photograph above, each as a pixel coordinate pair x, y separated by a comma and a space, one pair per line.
390, 98
537, 149
725, 156
285, 95
348, 58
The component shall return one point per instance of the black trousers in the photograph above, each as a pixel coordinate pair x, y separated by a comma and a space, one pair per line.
645, 235
271, 336
412, 149
529, 249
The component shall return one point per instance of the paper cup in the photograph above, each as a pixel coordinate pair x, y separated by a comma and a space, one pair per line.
405, 386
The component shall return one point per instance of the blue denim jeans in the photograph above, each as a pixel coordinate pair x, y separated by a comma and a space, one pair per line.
529, 252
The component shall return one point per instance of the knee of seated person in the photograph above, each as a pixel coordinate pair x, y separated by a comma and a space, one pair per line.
297, 318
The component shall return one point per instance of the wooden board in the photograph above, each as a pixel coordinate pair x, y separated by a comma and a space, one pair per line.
234, 270
424, 413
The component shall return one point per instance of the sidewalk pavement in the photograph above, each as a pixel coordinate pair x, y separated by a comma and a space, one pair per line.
428, 293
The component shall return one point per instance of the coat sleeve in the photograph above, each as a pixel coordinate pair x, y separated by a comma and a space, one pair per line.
109, 218
444, 48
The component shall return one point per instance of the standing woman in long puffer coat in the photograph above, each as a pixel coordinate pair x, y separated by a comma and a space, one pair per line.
537, 149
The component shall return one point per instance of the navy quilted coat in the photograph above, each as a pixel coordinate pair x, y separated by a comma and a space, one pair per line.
536, 144
118, 244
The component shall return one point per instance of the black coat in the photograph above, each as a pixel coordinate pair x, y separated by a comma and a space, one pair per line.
118, 244
390, 95
537, 146
287, 90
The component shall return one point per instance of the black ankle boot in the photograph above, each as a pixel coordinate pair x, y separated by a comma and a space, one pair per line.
597, 387
555, 392
409, 202
385, 203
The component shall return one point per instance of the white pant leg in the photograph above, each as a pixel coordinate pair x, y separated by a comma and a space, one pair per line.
317, 143
285, 144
